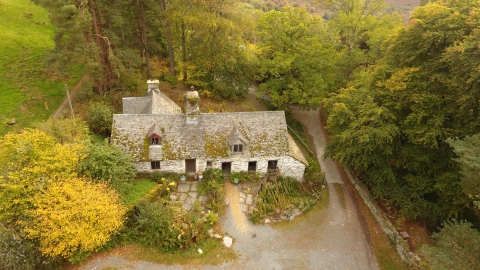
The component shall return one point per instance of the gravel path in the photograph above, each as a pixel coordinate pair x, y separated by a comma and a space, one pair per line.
334, 238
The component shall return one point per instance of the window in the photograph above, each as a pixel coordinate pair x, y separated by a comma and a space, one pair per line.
272, 165
209, 164
238, 148
154, 140
155, 165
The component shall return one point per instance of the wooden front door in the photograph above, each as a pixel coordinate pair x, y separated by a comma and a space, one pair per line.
190, 166
226, 168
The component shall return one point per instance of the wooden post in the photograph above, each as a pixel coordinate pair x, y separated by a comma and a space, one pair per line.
69, 101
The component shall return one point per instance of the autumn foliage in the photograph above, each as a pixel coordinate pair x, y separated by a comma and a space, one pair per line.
74, 216
43, 199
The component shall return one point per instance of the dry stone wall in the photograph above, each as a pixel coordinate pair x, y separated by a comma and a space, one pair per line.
402, 246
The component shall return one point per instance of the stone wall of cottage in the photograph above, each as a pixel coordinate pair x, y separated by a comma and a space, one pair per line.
287, 165
291, 167
155, 152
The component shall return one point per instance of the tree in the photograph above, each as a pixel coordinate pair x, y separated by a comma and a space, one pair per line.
424, 83
457, 246
468, 151
361, 27
65, 131
42, 198
215, 55
28, 162
166, 24
296, 66
365, 136
109, 39
108, 163
81, 39
100, 118
73, 217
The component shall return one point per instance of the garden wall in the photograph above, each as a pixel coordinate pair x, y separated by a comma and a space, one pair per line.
401, 245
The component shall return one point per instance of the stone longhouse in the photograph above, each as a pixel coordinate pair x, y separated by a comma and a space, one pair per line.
159, 137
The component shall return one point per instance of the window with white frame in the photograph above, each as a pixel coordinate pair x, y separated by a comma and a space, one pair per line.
238, 148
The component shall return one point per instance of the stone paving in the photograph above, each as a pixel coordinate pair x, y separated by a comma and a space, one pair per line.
248, 192
187, 193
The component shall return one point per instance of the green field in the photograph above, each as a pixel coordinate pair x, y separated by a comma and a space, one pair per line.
27, 92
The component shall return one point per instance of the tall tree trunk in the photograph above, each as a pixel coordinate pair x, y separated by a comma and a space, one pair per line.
184, 51
145, 40
102, 42
168, 36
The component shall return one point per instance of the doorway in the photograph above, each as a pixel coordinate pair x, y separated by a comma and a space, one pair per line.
226, 168
252, 166
272, 165
190, 166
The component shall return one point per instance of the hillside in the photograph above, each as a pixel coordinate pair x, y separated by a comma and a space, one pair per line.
27, 92
402, 6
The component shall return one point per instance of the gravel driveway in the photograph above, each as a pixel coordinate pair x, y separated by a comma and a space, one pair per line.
334, 238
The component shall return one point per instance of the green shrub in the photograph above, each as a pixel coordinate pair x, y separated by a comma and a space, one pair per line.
212, 185
167, 227
155, 227
212, 218
168, 78
313, 172
106, 162
244, 176
285, 193
100, 118
16, 252
158, 177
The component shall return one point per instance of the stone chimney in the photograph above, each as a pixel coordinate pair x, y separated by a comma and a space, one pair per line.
191, 99
153, 85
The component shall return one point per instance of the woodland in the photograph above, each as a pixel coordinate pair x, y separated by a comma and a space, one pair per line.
400, 102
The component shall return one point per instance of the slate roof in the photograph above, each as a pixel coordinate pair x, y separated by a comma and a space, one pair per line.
155, 102
209, 135
265, 132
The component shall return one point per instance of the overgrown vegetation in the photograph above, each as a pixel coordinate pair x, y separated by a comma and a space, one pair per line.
243, 176
212, 185
158, 223
284, 194
165, 226
391, 124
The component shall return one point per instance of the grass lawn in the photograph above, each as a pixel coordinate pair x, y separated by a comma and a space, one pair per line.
214, 253
138, 190
27, 92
